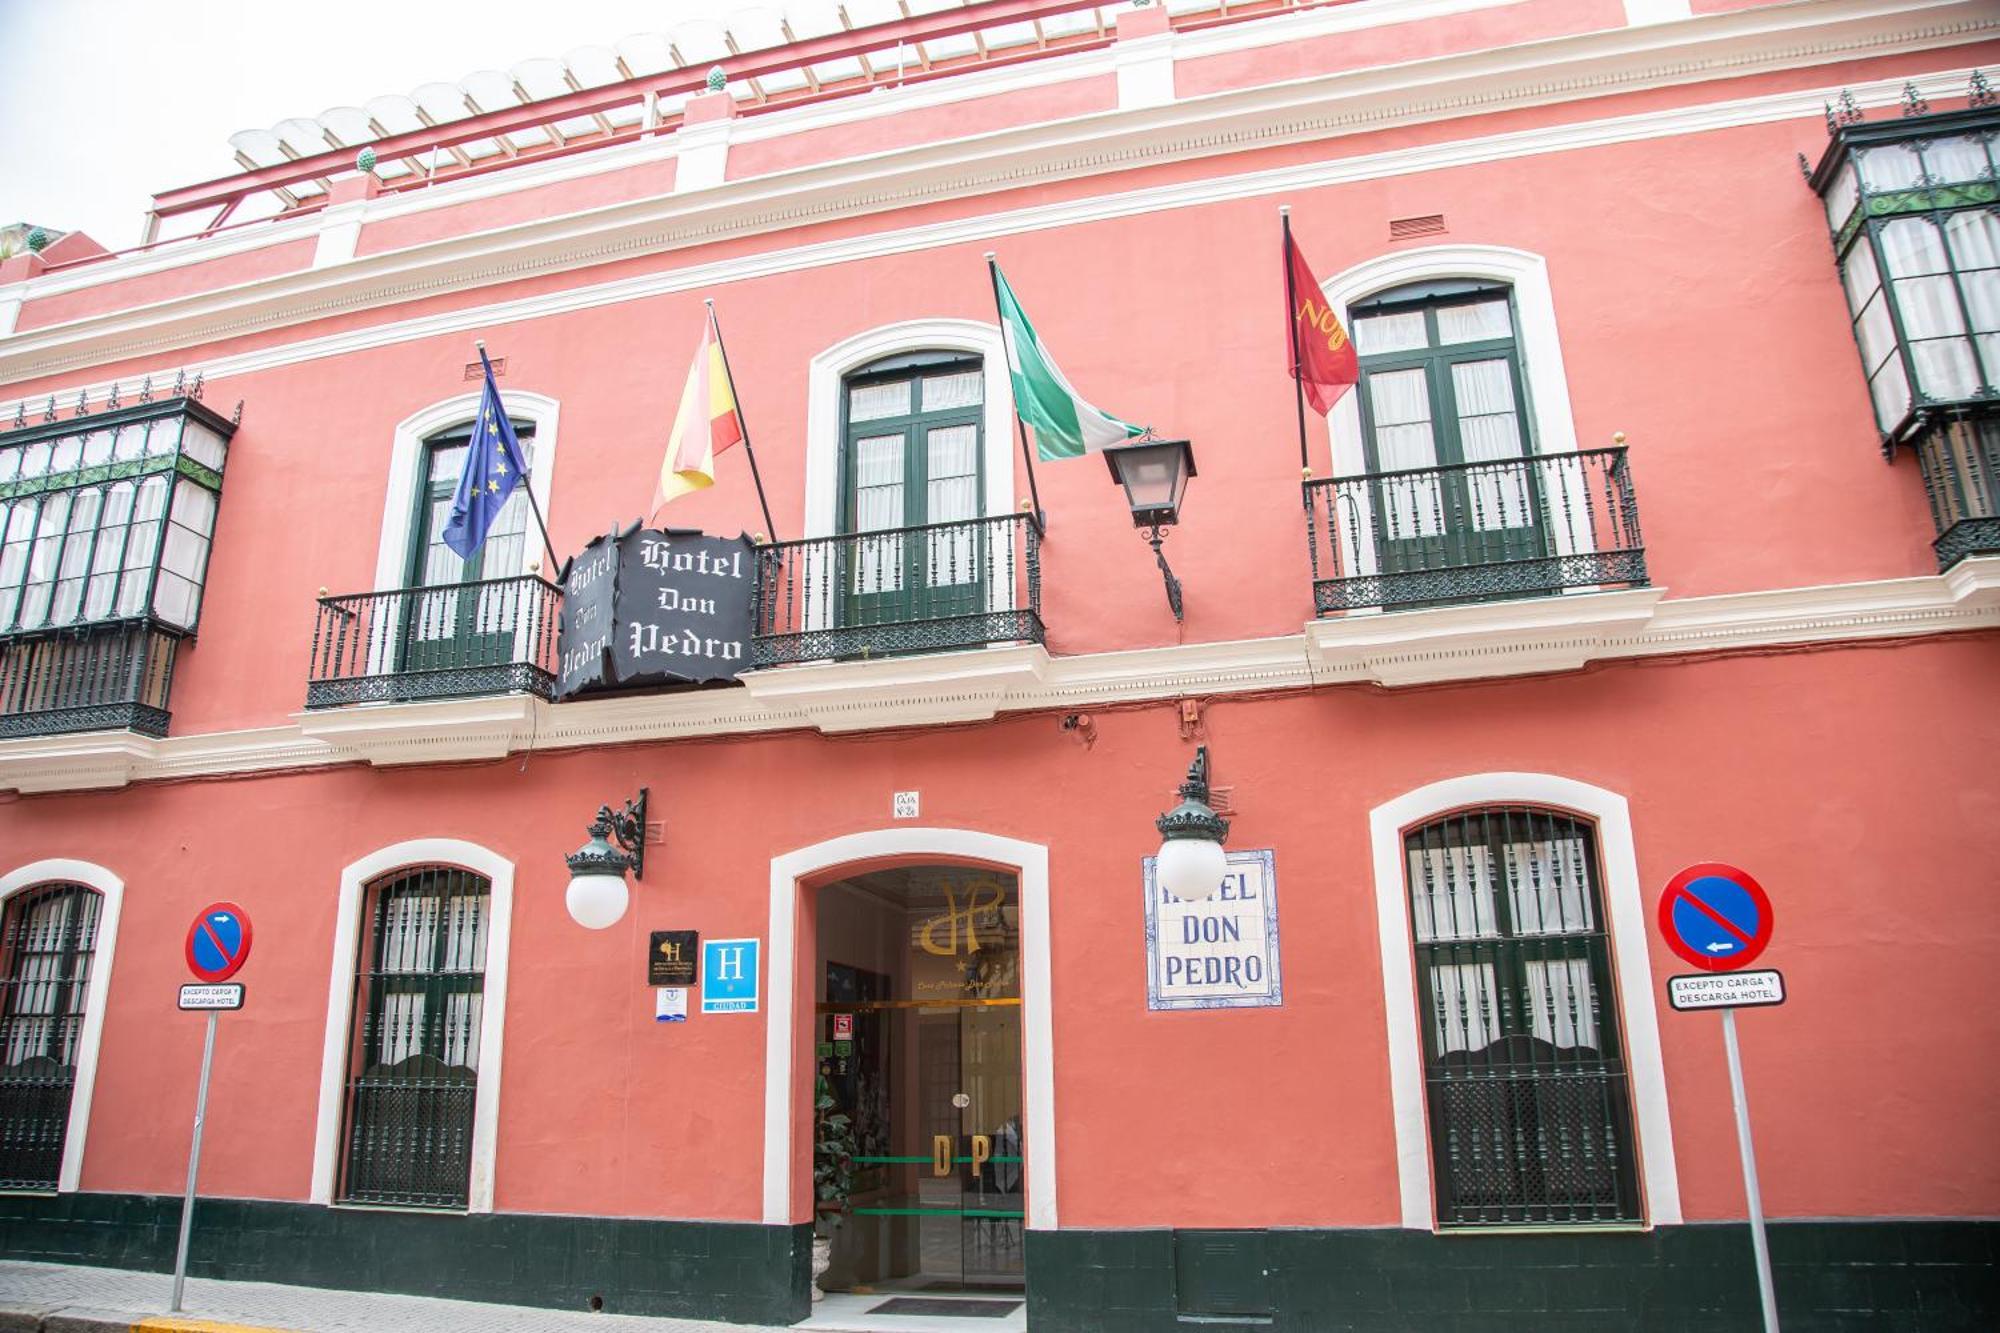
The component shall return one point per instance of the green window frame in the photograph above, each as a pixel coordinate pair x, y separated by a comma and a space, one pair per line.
428, 562
48, 938
419, 1006
108, 519
1527, 1091
912, 469
1913, 211
1454, 482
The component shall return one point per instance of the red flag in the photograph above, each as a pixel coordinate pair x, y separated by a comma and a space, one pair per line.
1323, 358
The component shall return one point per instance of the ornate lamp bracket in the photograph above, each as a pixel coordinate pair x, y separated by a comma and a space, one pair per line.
626, 827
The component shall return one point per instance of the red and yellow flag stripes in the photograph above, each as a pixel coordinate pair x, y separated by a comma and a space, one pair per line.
706, 425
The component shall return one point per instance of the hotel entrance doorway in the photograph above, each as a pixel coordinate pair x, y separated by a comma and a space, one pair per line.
918, 1043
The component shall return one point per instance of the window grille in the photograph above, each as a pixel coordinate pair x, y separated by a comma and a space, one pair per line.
47, 937
1525, 1076
414, 1065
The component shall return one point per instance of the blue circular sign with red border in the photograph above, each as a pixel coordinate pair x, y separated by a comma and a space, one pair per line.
218, 942
1715, 916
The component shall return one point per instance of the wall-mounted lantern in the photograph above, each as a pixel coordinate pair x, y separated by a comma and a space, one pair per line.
597, 895
1155, 475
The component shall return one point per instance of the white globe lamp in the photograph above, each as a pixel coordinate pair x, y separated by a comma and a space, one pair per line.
1191, 862
598, 894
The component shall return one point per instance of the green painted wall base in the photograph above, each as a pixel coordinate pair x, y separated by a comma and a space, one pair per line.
738, 1271
1929, 1276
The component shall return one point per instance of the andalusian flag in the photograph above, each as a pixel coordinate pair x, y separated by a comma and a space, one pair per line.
1065, 425
706, 425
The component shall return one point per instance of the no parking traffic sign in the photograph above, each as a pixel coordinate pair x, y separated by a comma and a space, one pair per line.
1715, 916
1718, 918
218, 942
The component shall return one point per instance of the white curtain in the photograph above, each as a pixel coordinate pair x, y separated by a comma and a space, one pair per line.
1959, 158
944, 392
1452, 894
952, 495
1489, 430
1975, 245
872, 402
1563, 1002
878, 504
1548, 886
1465, 1013
1890, 166
1478, 322
1374, 334
1399, 401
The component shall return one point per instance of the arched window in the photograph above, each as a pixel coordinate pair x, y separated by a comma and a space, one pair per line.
1525, 1075
1442, 405
414, 1046
448, 627
48, 936
431, 562
912, 451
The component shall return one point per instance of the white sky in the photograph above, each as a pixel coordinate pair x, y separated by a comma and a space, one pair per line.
106, 102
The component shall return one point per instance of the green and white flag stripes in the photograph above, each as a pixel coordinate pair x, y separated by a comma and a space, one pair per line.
1065, 425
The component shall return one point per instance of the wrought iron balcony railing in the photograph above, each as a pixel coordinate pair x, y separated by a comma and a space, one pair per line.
98, 677
900, 590
447, 642
1959, 451
1516, 527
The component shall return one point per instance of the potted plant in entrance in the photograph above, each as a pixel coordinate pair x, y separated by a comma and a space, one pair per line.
833, 1176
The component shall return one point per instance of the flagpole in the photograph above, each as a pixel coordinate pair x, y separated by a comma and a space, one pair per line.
742, 422
527, 482
1292, 323
1041, 519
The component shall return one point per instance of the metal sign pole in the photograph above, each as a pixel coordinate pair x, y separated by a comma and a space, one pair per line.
1750, 1190
194, 1160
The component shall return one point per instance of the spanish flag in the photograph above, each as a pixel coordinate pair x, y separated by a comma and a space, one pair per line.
707, 423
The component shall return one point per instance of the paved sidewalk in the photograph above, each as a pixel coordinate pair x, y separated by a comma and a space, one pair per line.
71, 1299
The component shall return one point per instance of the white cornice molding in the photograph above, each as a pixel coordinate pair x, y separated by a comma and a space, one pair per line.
1348, 102
1487, 640
1484, 639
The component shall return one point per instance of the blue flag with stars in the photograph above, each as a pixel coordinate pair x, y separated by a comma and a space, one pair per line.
493, 468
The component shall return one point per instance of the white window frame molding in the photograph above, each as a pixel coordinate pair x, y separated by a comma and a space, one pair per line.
347, 931
1624, 906
1535, 338
823, 380
1552, 425
398, 505
784, 1046
96, 992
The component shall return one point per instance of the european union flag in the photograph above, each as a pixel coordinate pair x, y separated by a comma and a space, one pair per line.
493, 468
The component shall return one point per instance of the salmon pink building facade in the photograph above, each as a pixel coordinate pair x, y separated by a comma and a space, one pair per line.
1662, 527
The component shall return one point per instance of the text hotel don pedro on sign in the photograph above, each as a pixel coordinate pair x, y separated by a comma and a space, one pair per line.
1222, 952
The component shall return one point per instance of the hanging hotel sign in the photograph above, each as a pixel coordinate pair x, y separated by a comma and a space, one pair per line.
651, 607
1221, 952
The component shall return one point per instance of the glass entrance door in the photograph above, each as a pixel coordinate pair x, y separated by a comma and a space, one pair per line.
919, 1045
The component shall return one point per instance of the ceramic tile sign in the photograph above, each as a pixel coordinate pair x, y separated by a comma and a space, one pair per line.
729, 976
1221, 953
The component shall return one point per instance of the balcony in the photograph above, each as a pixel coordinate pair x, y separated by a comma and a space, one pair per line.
90, 678
1959, 451
1469, 532
452, 641
922, 589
